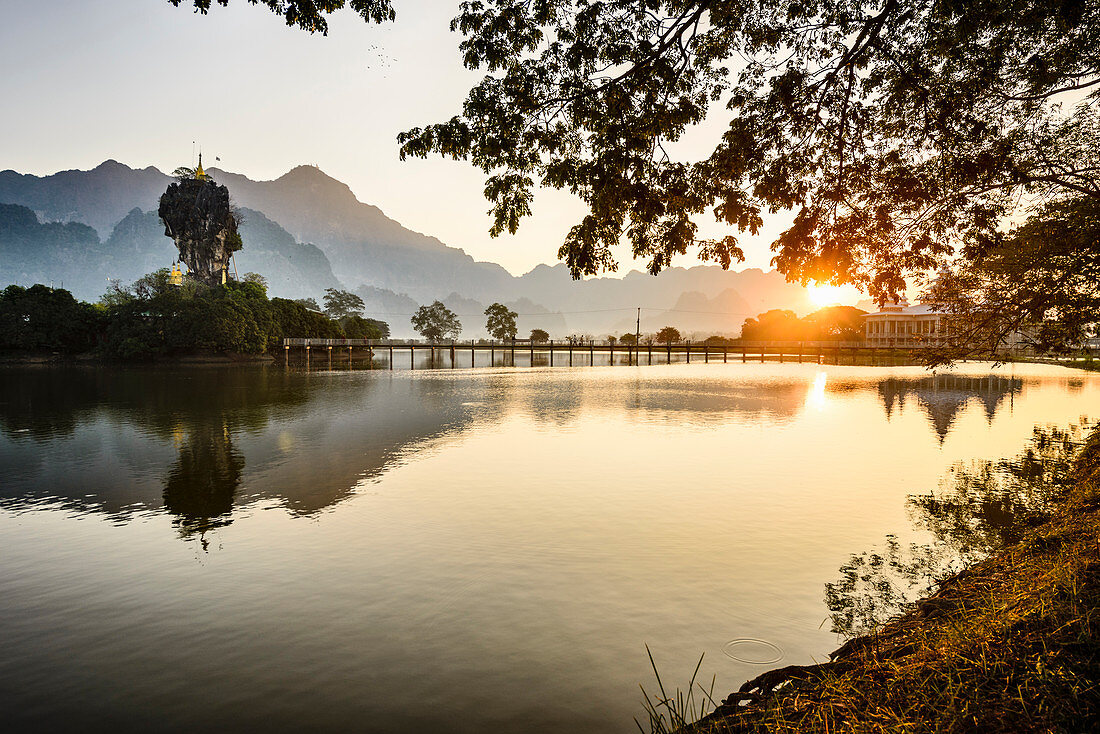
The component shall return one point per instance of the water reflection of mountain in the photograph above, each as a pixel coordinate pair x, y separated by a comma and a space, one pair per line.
198, 442
201, 443
942, 397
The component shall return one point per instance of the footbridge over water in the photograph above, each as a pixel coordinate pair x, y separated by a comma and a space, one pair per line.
466, 353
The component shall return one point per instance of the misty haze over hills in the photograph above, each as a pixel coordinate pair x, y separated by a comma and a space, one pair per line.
306, 231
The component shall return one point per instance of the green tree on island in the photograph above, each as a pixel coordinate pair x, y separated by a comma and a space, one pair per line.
310, 303
255, 278
538, 336
436, 321
668, 335
629, 340
339, 304
501, 322
41, 318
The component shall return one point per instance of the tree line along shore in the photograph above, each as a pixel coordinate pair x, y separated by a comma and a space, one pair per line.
166, 315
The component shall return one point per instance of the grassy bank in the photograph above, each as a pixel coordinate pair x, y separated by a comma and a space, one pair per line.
1012, 644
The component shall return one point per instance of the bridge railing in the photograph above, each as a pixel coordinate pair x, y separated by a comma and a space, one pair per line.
327, 342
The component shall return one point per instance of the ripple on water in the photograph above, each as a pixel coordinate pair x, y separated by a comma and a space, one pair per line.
752, 650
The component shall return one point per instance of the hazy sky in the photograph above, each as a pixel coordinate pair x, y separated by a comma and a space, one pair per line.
139, 80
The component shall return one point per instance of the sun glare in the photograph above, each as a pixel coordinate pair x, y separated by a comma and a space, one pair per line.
825, 295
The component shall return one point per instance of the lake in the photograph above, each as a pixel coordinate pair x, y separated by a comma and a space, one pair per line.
453, 550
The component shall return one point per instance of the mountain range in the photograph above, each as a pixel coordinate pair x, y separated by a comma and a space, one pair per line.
305, 231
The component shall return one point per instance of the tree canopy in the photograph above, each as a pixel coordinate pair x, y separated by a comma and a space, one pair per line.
893, 131
668, 335
501, 322
1039, 280
831, 323
340, 304
539, 335
310, 15
436, 321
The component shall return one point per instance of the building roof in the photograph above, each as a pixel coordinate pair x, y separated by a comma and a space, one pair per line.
904, 309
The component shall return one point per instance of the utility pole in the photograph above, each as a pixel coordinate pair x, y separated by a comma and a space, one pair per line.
638, 328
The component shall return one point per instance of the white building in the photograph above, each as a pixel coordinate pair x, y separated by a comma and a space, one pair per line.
900, 325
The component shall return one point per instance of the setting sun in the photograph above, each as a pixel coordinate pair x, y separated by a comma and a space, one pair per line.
826, 295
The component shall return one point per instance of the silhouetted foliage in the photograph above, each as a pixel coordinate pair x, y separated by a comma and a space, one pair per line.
309, 15
628, 339
40, 318
891, 129
501, 322
538, 336
668, 335
1039, 280
844, 323
436, 321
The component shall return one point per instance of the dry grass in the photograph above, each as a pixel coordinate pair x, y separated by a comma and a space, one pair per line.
1009, 645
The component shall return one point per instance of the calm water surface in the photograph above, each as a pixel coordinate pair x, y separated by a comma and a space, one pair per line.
469, 550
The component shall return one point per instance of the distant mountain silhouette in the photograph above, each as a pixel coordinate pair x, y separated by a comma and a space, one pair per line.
364, 245
354, 246
71, 254
99, 198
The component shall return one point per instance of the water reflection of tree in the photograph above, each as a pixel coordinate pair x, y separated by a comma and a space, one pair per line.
979, 508
202, 483
942, 397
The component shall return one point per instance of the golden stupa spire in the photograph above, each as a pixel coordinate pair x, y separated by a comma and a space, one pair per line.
199, 173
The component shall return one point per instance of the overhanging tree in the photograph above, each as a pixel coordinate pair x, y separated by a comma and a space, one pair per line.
1038, 284
892, 130
309, 15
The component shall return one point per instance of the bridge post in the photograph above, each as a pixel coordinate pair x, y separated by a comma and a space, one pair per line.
551, 352
649, 352
591, 352
570, 352
725, 350
391, 356
611, 354
286, 354
743, 357
706, 353
687, 352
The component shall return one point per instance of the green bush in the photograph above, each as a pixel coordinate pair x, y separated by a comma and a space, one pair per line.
40, 318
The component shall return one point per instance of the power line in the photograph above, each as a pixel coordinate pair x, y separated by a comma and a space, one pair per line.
595, 310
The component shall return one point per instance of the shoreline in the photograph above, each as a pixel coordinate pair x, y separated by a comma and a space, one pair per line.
51, 359
1009, 644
